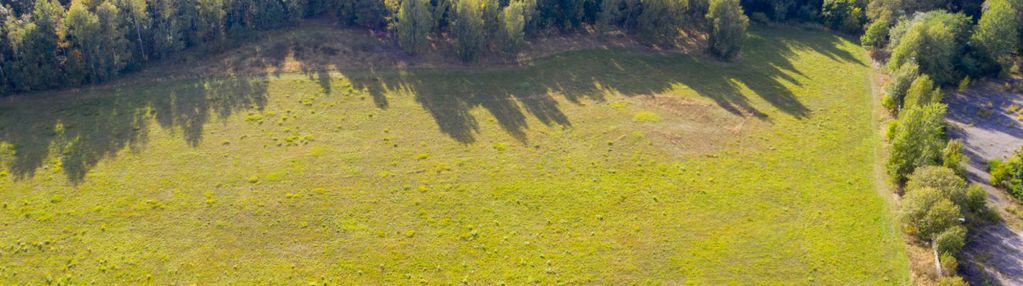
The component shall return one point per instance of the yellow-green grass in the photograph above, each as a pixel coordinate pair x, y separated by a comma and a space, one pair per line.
590, 167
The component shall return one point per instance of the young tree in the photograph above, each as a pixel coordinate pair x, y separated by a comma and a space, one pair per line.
114, 50
133, 12
83, 64
415, 21
896, 88
994, 31
876, 35
952, 157
659, 20
917, 140
922, 92
728, 27
468, 29
511, 36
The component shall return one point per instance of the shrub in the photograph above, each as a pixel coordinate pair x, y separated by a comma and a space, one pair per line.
952, 157
926, 213
951, 241
918, 140
964, 84
949, 263
948, 184
728, 26
976, 200
1009, 173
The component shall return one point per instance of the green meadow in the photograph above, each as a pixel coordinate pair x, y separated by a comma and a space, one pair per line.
600, 166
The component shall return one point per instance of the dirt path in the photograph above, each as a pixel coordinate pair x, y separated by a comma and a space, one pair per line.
982, 119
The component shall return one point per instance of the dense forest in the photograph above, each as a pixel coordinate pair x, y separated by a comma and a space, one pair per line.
46, 44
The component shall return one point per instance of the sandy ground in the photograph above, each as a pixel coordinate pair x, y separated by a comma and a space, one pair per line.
983, 119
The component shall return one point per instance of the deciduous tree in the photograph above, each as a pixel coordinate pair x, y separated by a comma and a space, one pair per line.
728, 27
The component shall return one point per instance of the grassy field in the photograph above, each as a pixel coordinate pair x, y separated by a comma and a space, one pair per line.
604, 166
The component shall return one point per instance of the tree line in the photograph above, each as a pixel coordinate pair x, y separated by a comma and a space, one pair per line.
929, 45
46, 44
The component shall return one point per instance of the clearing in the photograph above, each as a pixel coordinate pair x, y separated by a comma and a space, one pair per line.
987, 119
602, 165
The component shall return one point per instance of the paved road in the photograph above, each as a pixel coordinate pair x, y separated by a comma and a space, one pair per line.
994, 253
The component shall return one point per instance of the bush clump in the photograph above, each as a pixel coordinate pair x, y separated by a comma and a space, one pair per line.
1008, 174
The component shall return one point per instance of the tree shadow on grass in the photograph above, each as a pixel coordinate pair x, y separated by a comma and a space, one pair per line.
513, 94
84, 128
94, 125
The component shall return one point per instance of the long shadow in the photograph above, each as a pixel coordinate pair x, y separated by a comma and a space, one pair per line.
510, 94
83, 129
94, 125
999, 246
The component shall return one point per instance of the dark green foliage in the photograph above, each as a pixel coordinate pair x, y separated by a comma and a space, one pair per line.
843, 15
995, 29
5, 51
659, 20
728, 27
34, 44
918, 139
785, 10
365, 13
